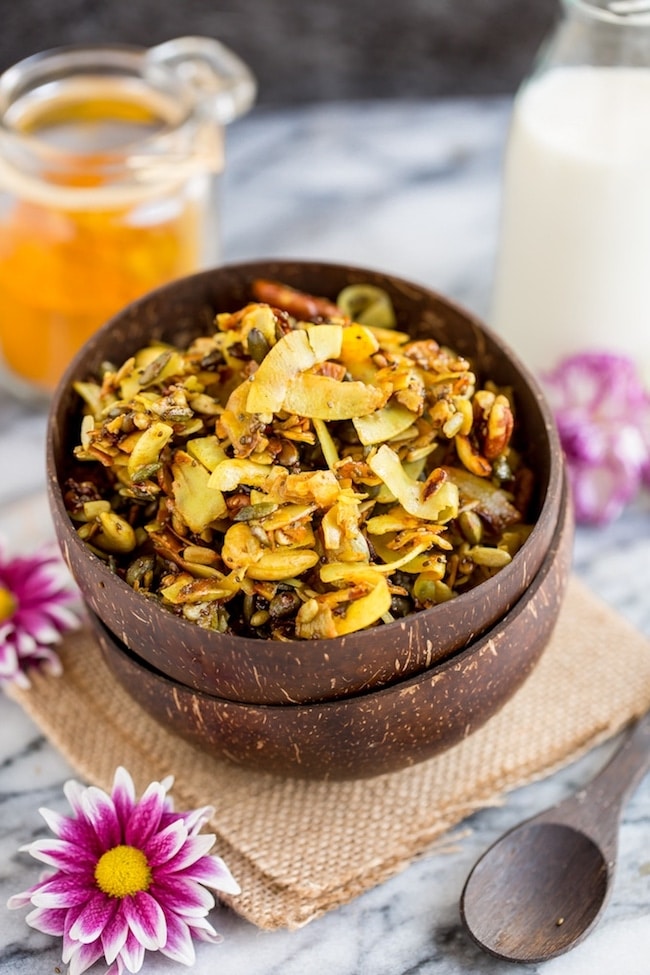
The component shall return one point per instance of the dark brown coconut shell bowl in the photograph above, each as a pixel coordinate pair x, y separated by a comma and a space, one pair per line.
368, 734
273, 672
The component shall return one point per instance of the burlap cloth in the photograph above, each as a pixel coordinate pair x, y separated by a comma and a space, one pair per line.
300, 848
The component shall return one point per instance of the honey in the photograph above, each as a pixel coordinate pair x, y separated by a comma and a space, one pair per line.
109, 158
88, 239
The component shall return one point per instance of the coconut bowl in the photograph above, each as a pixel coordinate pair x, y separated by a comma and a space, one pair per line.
363, 735
272, 672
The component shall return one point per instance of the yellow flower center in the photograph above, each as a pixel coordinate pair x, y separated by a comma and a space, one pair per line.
122, 871
8, 604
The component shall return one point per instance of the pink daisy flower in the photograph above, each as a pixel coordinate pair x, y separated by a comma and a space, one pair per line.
35, 593
602, 412
130, 875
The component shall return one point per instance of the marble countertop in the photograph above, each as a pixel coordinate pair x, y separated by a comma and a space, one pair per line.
412, 188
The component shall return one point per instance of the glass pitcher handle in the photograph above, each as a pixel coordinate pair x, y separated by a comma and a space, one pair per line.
222, 82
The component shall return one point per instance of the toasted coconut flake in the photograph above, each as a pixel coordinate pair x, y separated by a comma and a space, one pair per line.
441, 506
329, 399
195, 501
148, 444
384, 424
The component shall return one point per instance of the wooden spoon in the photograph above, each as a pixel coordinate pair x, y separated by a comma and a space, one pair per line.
541, 888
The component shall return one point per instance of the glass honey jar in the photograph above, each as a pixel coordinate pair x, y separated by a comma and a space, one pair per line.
109, 166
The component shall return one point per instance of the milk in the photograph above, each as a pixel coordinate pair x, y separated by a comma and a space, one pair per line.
573, 270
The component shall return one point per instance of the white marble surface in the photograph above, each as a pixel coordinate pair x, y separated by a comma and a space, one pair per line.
412, 189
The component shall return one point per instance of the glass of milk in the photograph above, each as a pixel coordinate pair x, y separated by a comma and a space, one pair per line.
573, 263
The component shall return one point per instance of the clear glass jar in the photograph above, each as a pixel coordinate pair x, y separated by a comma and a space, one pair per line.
573, 263
109, 158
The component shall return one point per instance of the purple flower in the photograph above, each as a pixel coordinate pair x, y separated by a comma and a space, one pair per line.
602, 412
130, 875
35, 593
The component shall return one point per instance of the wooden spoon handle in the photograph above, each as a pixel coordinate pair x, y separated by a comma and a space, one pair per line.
597, 807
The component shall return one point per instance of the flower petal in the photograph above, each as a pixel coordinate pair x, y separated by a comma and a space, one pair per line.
132, 954
39, 626
97, 912
70, 946
195, 818
145, 817
59, 824
49, 920
201, 928
123, 794
114, 936
76, 832
179, 946
60, 891
146, 919
64, 618
603, 417
182, 896
83, 957
213, 872
74, 791
166, 844
23, 899
194, 848
63, 855
99, 811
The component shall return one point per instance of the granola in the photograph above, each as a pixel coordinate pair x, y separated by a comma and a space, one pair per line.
305, 471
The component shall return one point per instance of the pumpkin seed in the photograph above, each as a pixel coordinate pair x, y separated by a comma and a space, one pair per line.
493, 558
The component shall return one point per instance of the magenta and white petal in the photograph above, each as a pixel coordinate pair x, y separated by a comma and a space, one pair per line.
98, 911
99, 812
57, 823
25, 643
63, 855
60, 891
167, 845
166, 785
74, 792
83, 957
114, 936
8, 656
70, 945
602, 410
145, 817
79, 834
179, 946
23, 899
195, 819
132, 954
194, 848
41, 629
49, 920
184, 897
42, 592
146, 919
213, 872
201, 928
123, 794
64, 618
18, 679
